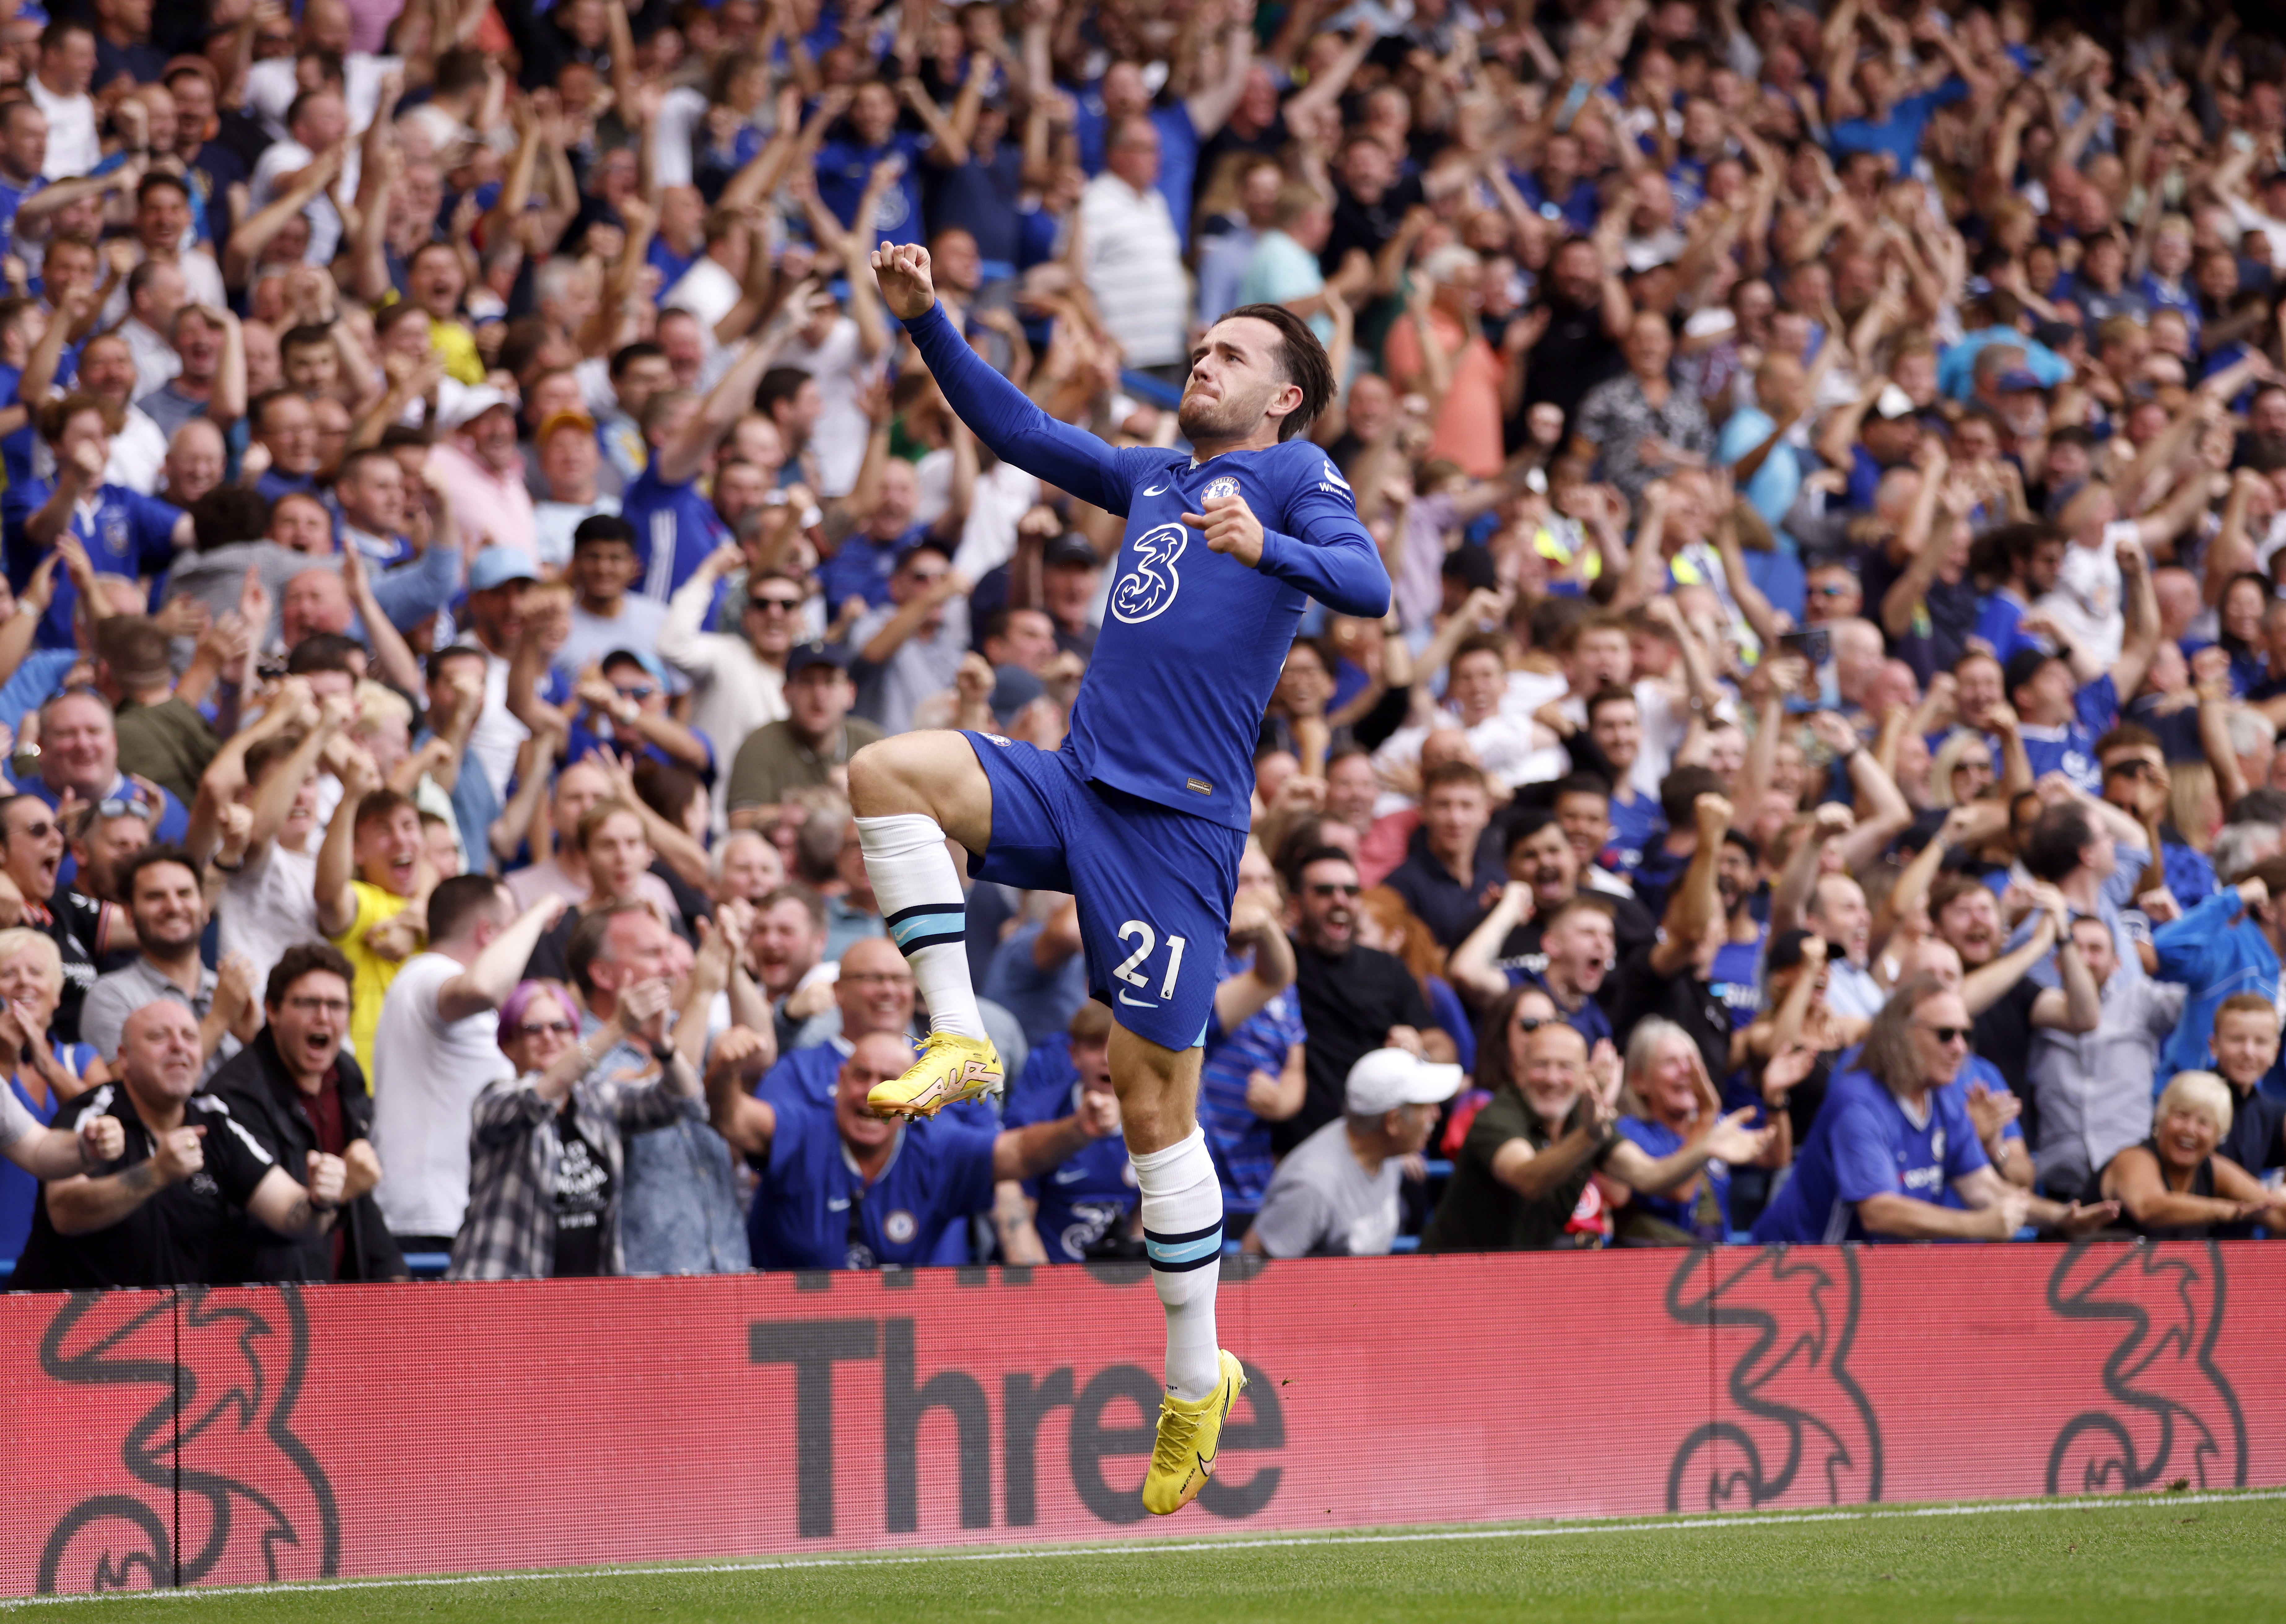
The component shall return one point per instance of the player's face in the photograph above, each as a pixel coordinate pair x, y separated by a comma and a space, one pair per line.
1235, 380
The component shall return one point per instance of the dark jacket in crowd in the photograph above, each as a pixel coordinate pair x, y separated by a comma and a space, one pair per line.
262, 1094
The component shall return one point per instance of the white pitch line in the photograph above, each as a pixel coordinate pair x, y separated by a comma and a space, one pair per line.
1538, 1531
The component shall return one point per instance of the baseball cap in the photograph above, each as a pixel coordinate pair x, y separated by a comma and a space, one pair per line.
1070, 550
2018, 379
649, 662
496, 566
1013, 688
2023, 666
815, 652
1892, 402
1387, 1078
564, 420
475, 403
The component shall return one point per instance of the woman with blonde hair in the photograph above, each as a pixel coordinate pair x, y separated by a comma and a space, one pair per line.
42, 1072
1673, 1173
2172, 1187
1963, 770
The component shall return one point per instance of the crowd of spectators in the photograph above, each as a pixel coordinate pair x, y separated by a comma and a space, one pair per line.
466, 503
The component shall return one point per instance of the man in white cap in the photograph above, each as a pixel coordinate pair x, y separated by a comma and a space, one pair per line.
1335, 1193
482, 471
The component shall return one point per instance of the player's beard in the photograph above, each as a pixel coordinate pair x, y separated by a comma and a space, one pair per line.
1224, 417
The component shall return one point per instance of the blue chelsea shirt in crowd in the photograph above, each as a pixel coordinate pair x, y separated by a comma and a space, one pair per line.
1088, 1197
1864, 1145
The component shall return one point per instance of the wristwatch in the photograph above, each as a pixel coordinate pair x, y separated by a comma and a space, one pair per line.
663, 1052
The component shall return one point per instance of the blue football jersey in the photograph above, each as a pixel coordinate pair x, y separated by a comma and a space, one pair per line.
1092, 1194
1193, 641
1864, 1144
813, 1212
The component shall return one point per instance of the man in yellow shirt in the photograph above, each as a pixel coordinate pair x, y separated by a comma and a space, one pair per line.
372, 890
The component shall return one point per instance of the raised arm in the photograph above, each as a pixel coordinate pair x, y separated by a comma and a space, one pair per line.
996, 410
492, 976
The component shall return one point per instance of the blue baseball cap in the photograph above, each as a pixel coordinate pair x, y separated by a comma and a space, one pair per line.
496, 566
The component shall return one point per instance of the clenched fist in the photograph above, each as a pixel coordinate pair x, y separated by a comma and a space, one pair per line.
101, 1140
1231, 528
902, 270
328, 1178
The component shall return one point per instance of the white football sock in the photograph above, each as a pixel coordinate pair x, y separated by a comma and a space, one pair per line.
1182, 1232
919, 891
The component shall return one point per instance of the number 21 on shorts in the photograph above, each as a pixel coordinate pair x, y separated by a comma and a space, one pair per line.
1129, 971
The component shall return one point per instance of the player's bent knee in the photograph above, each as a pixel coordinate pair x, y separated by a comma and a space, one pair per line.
885, 780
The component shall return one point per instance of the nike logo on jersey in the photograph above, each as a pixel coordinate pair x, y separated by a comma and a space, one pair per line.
1070, 1175
1157, 490
1334, 475
1138, 1003
836, 1204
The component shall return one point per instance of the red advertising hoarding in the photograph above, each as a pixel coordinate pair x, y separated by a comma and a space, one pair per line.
233, 1437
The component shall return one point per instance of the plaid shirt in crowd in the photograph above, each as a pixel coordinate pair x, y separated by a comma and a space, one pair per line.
514, 1152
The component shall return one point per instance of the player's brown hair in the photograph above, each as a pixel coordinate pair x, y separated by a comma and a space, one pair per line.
1301, 359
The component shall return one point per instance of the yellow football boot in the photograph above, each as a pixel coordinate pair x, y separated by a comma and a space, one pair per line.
1183, 1458
951, 1068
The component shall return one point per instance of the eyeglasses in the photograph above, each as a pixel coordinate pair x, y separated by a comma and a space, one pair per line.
1532, 1024
1334, 890
319, 1007
536, 1029
1834, 591
766, 606
2135, 766
1946, 1035
638, 691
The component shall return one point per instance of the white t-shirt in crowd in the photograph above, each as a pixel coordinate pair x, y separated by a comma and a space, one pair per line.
426, 1073
1003, 493
837, 368
269, 905
497, 736
2085, 604
74, 147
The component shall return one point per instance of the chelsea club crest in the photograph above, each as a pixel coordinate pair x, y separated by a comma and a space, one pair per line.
1224, 487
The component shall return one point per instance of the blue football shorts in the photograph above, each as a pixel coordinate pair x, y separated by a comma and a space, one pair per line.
1155, 885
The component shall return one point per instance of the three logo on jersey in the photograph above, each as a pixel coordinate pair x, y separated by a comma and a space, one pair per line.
1145, 592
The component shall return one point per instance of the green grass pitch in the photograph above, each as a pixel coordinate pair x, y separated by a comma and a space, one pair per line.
2179, 1557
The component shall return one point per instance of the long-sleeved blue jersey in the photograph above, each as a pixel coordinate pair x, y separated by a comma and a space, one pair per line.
1195, 639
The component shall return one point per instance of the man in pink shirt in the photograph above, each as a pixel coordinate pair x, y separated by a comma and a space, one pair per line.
482, 471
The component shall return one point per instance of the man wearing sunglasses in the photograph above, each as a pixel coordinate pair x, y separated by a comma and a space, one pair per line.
626, 713
297, 1089
31, 849
737, 678
1895, 1136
